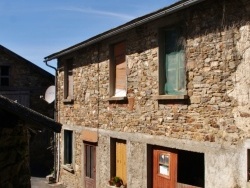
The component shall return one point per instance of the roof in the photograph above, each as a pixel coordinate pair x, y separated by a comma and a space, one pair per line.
29, 115
180, 5
37, 68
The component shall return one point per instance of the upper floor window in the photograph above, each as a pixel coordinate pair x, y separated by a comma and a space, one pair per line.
4, 75
172, 62
68, 80
118, 73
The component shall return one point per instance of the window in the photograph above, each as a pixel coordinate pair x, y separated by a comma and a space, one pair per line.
118, 73
163, 164
4, 75
68, 80
172, 62
68, 149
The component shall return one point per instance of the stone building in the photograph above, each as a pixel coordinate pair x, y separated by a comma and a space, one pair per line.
24, 82
160, 101
17, 121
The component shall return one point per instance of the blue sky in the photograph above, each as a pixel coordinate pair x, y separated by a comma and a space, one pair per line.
35, 29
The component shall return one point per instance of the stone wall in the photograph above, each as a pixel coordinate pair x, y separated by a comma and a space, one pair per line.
212, 60
217, 67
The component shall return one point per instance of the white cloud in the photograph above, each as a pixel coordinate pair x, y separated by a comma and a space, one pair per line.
106, 13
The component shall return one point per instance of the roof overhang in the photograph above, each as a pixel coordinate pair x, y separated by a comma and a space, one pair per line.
28, 115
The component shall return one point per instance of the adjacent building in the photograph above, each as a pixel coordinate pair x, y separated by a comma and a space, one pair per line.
16, 127
160, 101
25, 83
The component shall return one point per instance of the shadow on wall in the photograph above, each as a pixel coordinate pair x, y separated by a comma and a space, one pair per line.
41, 154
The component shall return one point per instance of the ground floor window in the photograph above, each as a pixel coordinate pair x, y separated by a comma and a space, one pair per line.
68, 147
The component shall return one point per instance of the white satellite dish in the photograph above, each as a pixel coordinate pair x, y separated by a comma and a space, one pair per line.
50, 94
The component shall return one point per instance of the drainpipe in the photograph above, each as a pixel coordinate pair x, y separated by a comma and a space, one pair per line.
56, 138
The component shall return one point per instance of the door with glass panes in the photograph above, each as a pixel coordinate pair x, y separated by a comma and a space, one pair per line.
90, 165
164, 169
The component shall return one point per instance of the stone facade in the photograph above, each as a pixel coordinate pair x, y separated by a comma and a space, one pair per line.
213, 120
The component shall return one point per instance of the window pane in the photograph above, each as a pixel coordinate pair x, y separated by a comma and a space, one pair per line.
164, 164
164, 159
4, 81
174, 63
120, 75
171, 73
67, 147
4, 70
164, 170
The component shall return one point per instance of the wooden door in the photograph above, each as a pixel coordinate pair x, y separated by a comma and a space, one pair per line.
164, 169
121, 169
90, 166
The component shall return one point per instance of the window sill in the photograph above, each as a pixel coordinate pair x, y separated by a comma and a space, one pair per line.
117, 99
68, 101
68, 167
113, 186
170, 97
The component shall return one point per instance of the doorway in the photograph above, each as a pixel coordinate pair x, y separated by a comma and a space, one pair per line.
90, 165
168, 167
164, 169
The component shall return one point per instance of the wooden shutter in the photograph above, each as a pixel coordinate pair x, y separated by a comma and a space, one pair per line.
120, 69
174, 63
68, 79
121, 170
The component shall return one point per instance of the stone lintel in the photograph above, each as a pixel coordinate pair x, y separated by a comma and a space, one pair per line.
89, 136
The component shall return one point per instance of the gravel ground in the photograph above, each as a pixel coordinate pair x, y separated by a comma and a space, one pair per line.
37, 182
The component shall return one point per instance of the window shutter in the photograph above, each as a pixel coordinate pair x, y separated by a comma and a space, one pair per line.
120, 69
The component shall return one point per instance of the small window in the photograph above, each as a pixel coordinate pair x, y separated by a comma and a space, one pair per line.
118, 73
68, 149
68, 80
4, 75
164, 165
172, 62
